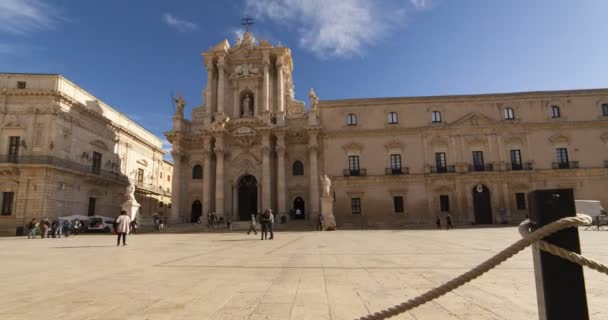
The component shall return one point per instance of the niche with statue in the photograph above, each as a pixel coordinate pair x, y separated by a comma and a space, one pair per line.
246, 104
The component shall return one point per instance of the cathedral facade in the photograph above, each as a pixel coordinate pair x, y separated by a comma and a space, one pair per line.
392, 161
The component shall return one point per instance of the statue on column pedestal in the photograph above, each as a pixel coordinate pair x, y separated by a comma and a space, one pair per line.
180, 103
327, 205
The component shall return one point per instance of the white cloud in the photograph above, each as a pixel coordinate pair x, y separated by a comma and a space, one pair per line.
335, 28
23, 16
180, 25
421, 4
167, 147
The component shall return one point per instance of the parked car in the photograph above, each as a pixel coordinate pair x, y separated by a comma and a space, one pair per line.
100, 223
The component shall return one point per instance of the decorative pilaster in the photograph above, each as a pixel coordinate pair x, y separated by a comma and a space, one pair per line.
266, 92
209, 90
313, 154
176, 190
281, 190
207, 201
220, 84
281, 93
219, 175
266, 185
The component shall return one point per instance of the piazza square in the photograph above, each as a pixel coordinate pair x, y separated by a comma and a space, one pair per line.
298, 275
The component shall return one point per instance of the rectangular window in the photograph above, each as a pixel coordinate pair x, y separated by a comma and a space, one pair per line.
392, 118
478, 160
353, 165
13, 148
161, 175
520, 199
516, 160
395, 163
351, 119
440, 162
436, 117
605, 109
21, 84
92, 206
140, 176
562, 157
355, 204
398, 204
169, 177
96, 162
444, 203
7, 203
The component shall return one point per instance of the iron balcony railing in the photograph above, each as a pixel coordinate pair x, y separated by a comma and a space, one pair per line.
445, 169
565, 165
519, 166
150, 188
63, 163
481, 167
397, 171
354, 172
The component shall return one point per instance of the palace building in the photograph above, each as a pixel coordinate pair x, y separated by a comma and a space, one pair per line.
392, 161
65, 152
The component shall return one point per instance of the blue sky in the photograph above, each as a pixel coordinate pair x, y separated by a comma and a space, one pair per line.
134, 54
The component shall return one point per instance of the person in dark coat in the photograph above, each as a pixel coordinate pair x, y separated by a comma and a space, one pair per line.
438, 222
448, 222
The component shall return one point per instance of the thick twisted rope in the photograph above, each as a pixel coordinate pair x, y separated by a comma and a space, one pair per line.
484, 267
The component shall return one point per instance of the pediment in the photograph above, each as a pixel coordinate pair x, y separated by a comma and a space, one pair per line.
12, 122
244, 130
514, 141
100, 144
352, 146
222, 46
393, 144
439, 142
476, 140
245, 53
143, 162
473, 119
559, 138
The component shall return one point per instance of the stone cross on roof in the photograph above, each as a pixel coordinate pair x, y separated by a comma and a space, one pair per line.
246, 22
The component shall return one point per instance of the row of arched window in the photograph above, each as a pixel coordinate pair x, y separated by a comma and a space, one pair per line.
297, 169
509, 114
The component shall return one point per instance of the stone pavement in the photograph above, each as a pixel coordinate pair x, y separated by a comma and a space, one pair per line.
299, 275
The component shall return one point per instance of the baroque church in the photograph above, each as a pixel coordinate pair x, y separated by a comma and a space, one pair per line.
393, 162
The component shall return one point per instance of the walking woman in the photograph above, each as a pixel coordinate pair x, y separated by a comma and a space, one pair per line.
122, 227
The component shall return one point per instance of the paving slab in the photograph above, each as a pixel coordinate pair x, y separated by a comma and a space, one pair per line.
298, 275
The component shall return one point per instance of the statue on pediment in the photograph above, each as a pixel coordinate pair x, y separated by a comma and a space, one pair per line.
219, 123
180, 103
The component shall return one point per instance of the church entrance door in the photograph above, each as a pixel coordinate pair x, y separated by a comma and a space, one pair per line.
248, 197
482, 204
298, 207
197, 211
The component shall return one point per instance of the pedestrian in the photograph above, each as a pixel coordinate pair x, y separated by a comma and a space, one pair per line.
438, 222
448, 222
58, 228
122, 227
66, 228
77, 225
320, 223
264, 220
252, 225
133, 226
155, 218
31, 229
270, 224
45, 225
229, 224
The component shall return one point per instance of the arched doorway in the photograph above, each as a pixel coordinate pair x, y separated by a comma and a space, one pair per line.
298, 204
482, 204
197, 211
248, 197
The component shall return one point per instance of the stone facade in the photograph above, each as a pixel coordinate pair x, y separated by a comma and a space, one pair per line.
392, 161
65, 152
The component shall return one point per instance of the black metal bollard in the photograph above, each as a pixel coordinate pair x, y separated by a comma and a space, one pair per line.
560, 284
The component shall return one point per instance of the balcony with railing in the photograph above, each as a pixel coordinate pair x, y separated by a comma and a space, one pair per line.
481, 167
148, 188
396, 171
512, 166
63, 163
565, 165
355, 172
444, 169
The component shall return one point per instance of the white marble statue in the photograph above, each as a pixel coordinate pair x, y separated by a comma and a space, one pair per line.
246, 106
314, 100
326, 184
130, 193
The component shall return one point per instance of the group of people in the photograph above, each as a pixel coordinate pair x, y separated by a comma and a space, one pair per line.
55, 229
159, 222
448, 222
266, 221
214, 221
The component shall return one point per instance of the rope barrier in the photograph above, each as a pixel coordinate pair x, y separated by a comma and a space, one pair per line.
528, 239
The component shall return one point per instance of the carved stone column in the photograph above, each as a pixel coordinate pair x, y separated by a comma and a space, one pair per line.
219, 175
207, 201
281, 190
176, 190
266, 92
220, 84
280, 93
313, 154
266, 178
209, 93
